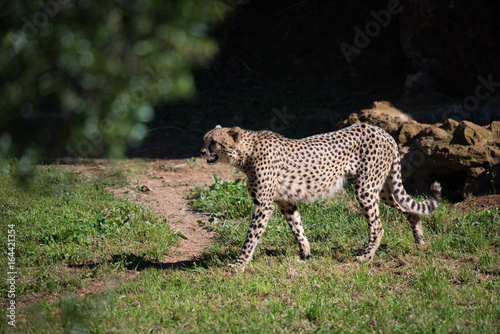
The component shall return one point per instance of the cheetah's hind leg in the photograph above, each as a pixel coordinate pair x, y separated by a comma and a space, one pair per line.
368, 199
386, 197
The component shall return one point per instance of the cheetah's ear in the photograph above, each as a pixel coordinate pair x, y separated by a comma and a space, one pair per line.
218, 127
235, 133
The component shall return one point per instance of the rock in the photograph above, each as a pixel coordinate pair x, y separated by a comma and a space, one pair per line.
382, 114
477, 184
387, 108
475, 171
145, 189
410, 131
468, 133
464, 157
450, 125
437, 133
495, 130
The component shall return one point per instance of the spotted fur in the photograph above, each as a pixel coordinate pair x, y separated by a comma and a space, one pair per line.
288, 171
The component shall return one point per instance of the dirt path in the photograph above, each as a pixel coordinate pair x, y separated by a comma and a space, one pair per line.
163, 185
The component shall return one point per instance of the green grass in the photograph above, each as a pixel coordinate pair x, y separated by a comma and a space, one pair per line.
336, 228
452, 285
63, 221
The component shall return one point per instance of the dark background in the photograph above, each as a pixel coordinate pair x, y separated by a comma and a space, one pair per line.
275, 58
286, 54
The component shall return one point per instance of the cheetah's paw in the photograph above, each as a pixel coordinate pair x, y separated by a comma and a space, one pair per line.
236, 266
365, 258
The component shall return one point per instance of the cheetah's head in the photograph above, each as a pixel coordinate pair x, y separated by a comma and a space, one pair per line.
221, 145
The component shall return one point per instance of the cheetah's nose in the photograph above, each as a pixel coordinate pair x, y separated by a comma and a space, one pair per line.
203, 151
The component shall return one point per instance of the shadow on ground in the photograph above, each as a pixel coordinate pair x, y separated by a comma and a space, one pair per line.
138, 263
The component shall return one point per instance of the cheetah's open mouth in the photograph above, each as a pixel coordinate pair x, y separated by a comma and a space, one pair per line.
212, 159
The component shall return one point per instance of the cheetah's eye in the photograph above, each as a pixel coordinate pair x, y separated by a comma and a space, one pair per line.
212, 145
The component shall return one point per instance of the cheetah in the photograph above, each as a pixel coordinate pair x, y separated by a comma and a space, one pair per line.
290, 171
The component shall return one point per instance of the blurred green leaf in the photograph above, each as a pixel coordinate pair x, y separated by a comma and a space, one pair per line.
80, 78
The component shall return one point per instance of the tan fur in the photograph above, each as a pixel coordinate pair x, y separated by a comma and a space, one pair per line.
289, 171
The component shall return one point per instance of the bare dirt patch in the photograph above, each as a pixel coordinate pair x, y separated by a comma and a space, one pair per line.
163, 185
481, 203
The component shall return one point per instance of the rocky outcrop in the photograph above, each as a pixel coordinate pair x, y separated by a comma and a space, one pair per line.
464, 156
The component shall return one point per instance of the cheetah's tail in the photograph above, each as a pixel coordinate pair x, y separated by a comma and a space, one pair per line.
402, 197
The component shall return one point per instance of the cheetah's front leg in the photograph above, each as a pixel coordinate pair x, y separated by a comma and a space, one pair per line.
292, 217
260, 217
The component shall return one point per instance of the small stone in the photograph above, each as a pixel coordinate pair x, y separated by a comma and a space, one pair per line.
475, 171
468, 133
144, 189
437, 133
409, 132
449, 125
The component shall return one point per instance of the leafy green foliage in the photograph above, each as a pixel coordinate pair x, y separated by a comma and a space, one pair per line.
81, 76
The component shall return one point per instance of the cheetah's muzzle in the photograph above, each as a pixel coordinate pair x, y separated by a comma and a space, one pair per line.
212, 159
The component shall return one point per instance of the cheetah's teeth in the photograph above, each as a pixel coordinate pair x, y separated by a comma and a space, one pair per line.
213, 159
